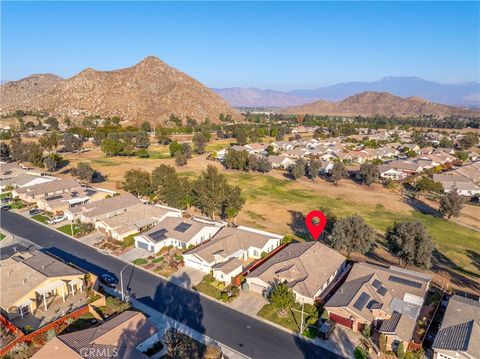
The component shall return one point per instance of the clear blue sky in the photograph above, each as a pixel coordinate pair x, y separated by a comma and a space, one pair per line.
281, 45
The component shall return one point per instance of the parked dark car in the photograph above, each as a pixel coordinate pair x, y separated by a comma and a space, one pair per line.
109, 279
326, 329
35, 211
5, 207
6, 200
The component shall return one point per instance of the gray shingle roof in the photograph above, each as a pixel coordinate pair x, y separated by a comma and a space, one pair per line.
460, 328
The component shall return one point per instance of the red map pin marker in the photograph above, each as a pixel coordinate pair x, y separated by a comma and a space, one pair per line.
315, 229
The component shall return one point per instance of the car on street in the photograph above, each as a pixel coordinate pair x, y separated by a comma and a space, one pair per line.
56, 220
326, 329
109, 279
5, 207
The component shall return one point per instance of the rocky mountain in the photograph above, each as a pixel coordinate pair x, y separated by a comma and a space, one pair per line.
254, 97
150, 90
19, 92
461, 94
378, 103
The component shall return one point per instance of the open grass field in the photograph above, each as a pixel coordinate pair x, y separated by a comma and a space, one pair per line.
271, 199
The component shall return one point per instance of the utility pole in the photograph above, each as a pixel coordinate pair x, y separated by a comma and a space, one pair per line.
121, 282
301, 323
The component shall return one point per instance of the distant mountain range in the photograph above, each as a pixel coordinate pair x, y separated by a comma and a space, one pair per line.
379, 103
461, 94
150, 90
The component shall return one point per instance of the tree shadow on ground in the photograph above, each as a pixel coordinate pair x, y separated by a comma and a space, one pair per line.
298, 227
422, 207
442, 262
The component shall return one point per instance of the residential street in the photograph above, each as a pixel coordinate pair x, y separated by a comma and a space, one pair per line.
241, 332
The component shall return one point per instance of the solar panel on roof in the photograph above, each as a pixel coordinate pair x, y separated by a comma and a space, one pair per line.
182, 227
376, 283
157, 235
361, 301
382, 290
404, 281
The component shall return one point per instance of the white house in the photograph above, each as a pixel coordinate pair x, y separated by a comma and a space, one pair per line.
242, 243
178, 232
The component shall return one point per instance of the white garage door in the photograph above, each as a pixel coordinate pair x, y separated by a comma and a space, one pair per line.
142, 245
196, 265
254, 287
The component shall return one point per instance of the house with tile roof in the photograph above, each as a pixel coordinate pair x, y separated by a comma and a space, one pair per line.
459, 334
178, 232
389, 299
127, 335
307, 268
238, 246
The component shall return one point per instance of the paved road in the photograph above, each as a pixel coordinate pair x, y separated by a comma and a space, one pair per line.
241, 332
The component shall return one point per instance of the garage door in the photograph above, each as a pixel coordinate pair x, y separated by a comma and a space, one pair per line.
196, 265
142, 245
341, 320
254, 287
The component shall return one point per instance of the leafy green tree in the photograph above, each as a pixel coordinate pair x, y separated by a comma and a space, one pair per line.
98, 137
52, 122
18, 149
180, 158
162, 135
49, 141
52, 161
34, 154
411, 242
200, 142
426, 184
314, 169
142, 140
186, 150
233, 202
452, 203
445, 142
470, 139
241, 136
352, 234
461, 155
401, 351
174, 147
84, 172
142, 153
282, 297
112, 147
258, 163
4, 151
338, 171
169, 188
237, 160
71, 143
298, 169
369, 173
145, 126
137, 182
411, 154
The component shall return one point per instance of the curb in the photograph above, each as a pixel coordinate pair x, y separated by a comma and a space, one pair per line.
275, 325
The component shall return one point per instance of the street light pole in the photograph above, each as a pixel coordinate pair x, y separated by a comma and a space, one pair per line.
121, 282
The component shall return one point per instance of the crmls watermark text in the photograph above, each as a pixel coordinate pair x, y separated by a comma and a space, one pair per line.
98, 352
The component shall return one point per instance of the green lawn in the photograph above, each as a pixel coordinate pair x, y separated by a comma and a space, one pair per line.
2, 236
456, 242
208, 289
129, 240
40, 218
5, 194
67, 229
158, 155
292, 319
17, 205
140, 261
214, 146
158, 260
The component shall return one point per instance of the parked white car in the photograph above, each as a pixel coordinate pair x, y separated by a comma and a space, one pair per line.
56, 220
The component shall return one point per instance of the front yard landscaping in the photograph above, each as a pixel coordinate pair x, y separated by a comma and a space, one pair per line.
67, 229
129, 241
139, 261
216, 289
2, 236
113, 306
40, 218
292, 317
